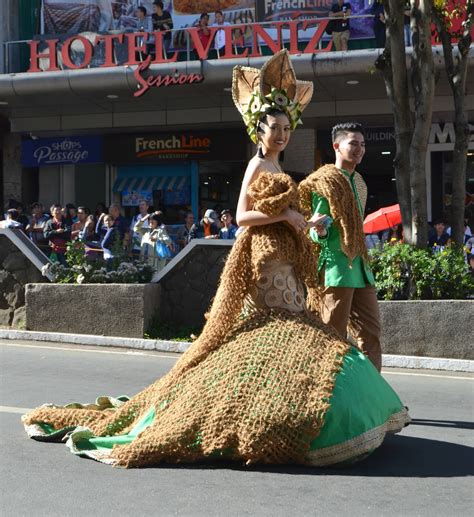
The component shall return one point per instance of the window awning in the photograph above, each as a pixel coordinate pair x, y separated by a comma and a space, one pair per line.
151, 183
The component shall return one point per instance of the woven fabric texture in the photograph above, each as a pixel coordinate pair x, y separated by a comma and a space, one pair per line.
328, 182
257, 385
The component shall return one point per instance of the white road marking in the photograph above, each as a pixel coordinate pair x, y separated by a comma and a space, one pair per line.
13, 409
174, 357
439, 376
130, 352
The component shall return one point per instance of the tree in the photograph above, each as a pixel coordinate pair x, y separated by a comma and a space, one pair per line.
411, 132
453, 21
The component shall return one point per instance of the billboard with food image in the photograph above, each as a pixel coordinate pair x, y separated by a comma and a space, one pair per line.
76, 16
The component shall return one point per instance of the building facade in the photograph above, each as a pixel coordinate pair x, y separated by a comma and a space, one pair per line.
121, 119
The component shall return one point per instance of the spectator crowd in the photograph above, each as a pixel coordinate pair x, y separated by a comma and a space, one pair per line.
145, 237
339, 27
106, 231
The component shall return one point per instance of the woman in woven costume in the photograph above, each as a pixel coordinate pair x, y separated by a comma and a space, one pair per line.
266, 381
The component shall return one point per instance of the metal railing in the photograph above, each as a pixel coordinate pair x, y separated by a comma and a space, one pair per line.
15, 62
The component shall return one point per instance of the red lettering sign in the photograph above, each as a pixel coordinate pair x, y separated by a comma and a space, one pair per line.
145, 83
137, 44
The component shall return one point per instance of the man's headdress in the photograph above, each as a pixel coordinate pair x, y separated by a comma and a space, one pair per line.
255, 92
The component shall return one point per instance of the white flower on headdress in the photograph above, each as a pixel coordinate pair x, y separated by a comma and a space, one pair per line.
280, 99
255, 104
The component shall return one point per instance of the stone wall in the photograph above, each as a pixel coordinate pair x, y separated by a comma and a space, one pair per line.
188, 289
124, 310
15, 272
439, 328
430, 328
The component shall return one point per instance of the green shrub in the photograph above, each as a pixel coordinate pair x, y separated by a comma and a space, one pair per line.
82, 271
403, 272
162, 330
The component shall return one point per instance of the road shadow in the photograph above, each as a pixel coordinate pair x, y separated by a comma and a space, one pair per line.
399, 456
454, 424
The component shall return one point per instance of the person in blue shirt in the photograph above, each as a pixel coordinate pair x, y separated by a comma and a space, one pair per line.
228, 229
378, 11
107, 243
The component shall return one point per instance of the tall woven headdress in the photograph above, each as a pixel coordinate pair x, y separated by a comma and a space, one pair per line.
255, 92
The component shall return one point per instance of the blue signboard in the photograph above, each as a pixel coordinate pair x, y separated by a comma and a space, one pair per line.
61, 151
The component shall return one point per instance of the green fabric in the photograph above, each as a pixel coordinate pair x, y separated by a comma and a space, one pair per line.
337, 271
108, 442
361, 401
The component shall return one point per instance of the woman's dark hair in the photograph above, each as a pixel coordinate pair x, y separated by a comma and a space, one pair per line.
13, 213
159, 4
203, 15
218, 12
273, 112
100, 208
84, 209
158, 218
53, 207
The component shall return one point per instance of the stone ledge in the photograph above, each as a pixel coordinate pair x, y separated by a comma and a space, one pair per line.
434, 328
124, 310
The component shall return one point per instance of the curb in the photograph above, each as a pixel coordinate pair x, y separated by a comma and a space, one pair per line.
86, 339
388, 360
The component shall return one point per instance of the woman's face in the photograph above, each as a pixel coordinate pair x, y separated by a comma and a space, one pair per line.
57, 212
275, 133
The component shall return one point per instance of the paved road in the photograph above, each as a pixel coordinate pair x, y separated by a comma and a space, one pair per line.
423, 471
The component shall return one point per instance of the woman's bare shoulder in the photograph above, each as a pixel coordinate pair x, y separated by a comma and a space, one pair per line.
255, 166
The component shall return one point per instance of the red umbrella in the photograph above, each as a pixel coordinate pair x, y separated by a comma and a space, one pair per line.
383, 219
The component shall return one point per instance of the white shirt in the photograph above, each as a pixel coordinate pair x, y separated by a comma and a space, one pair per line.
136, 237
219, 39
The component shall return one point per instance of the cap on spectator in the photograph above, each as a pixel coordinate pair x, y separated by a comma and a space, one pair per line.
211, 215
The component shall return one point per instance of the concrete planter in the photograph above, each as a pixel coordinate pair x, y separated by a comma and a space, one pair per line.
124, 310
431, 328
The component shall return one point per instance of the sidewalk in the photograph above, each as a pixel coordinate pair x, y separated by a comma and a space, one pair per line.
388, 360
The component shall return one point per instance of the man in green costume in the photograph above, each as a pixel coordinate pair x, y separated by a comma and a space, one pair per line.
337, 195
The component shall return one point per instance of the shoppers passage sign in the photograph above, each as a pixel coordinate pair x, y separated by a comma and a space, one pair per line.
176, 146
61, 151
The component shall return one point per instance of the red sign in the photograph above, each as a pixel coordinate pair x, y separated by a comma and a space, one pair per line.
136, 43
145, 83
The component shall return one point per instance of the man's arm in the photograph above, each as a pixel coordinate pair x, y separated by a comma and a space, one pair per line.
320, 206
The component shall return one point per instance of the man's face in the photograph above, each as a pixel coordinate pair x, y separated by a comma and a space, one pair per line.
351, 147
219, 18
143, 207
440, 227
189, 219
139, 14
114, 212
37, 211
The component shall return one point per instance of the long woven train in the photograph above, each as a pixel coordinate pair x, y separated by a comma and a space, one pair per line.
254, 388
